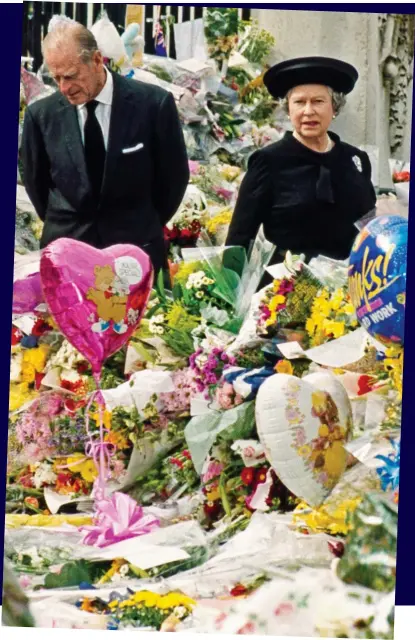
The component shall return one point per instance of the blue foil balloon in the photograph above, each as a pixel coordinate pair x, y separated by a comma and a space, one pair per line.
377, 278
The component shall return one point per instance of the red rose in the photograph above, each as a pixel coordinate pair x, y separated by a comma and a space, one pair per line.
247, 476
186, 233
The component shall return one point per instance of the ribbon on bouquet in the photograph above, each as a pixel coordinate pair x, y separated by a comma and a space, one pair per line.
117, 517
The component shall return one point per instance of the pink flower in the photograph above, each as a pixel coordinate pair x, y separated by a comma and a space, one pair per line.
213, 471
193, 167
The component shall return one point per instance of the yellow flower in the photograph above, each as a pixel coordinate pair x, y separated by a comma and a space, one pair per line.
150, 599
117, 439
19, 395
337, 299
28, 372
349, 309
284, 366
333, 521
214, 495
337, 329
172, 600
106, 419
78, 463
276, 285
36, 357
219, 220
276, 301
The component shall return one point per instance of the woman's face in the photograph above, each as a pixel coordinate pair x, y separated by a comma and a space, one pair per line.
310, 109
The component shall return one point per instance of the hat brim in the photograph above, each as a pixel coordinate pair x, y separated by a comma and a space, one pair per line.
336, 74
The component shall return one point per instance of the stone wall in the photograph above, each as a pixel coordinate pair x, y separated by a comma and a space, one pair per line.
355, 38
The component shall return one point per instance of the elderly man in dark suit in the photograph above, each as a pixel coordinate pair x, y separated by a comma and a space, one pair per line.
104, 157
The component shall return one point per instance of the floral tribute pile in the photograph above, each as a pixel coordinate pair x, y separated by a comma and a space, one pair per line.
181, 416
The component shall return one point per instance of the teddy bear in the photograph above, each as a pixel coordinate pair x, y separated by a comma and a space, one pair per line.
109, 299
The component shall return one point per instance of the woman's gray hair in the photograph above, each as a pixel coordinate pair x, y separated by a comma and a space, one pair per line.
65, 32
338, 101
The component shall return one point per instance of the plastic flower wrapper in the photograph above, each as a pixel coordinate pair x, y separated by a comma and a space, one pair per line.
252, 273
202, 431
333, 516
370, 556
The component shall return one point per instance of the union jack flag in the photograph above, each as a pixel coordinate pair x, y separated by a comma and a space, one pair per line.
159, 44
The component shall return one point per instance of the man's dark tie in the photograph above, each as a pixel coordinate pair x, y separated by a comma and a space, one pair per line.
94, 149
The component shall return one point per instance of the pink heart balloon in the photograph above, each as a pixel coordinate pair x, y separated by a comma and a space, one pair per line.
96, 297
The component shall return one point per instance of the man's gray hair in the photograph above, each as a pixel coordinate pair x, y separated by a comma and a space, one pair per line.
338, 101
64, 32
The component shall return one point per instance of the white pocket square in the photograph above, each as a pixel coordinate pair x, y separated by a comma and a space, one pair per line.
132, 149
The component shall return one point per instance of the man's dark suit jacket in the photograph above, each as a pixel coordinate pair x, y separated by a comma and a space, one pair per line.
141, 190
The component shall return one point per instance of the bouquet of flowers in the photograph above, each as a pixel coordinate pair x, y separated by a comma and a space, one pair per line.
332, 316
142, 609
288, 301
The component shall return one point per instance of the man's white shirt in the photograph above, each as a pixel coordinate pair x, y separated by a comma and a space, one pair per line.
103, 110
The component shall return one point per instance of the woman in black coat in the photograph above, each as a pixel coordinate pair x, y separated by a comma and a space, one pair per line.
310, 188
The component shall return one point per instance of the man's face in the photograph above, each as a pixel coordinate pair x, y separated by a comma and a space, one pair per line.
78, 81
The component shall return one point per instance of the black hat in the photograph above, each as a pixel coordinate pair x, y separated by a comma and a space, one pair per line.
339, 76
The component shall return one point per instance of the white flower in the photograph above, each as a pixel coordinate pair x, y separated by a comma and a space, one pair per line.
124, 570
199, 294
44, 475
152, 327
159, 330
179, 612
189, 285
